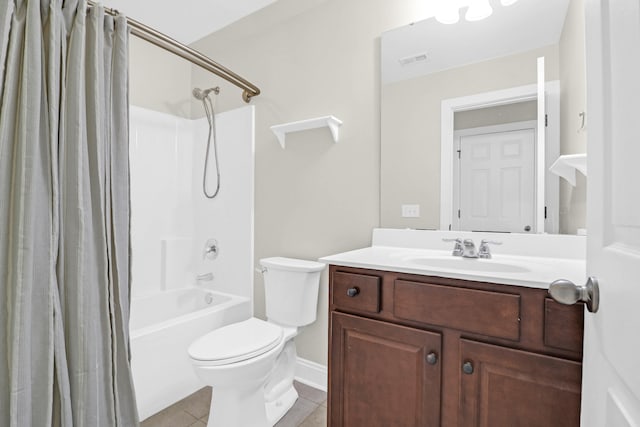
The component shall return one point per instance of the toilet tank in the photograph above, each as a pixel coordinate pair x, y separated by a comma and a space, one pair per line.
291, 290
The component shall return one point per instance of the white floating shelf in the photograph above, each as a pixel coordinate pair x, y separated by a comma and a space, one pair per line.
567, 165
327, 121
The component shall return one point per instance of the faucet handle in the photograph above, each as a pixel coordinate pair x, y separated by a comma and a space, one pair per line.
484, 251
457, 249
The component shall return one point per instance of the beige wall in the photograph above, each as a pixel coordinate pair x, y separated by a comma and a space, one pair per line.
159, 80
411, 109
311, 58
573, 101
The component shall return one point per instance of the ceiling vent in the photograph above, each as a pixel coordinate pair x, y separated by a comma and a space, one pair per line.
413, 59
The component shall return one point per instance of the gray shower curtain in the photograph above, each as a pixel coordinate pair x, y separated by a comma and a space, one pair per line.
64, 216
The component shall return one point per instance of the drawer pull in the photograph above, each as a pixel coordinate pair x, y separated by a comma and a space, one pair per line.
467, 368
432, 358
352, 292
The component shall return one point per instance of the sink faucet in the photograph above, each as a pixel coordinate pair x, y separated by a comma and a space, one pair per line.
469, 250
484, 251
457, 249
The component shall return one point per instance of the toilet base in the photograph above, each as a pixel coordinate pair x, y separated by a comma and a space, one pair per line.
233, 407
277, 408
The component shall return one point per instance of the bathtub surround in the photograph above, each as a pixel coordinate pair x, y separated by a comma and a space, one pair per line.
64, 217
171, 222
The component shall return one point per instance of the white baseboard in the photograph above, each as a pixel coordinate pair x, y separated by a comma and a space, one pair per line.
311, 373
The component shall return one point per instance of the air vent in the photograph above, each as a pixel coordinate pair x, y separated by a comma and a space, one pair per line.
412, 59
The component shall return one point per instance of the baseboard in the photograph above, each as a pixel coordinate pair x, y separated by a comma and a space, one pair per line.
311, 373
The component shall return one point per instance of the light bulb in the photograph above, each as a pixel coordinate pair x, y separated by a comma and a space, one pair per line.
507, 2
478, 10
447, 13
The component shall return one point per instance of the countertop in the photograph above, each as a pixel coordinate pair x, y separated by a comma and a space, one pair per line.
524, 269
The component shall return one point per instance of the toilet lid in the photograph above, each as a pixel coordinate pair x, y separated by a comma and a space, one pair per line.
236, 342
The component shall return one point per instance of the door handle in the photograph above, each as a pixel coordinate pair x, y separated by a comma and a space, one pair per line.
567, 292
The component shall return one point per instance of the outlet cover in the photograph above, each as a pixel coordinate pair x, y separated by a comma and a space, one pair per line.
411, 211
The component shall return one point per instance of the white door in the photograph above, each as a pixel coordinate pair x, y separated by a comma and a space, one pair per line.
497, 190
611, 382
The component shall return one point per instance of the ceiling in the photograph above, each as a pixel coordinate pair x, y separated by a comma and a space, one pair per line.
192, 20
523, 26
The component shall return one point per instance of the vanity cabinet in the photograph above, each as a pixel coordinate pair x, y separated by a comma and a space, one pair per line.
413, 350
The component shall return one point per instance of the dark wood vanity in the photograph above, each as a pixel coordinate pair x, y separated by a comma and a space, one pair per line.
412, 350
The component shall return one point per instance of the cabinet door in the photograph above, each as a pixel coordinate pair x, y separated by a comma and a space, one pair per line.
383, 374
502, 387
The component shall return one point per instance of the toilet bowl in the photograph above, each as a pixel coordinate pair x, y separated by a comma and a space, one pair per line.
250, 365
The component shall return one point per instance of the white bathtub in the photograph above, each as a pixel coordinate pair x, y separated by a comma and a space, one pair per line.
162, 326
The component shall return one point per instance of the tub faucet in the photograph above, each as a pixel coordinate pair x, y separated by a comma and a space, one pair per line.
206, 277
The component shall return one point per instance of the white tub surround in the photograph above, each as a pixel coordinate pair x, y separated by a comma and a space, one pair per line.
171, 219
162, 328
525, 260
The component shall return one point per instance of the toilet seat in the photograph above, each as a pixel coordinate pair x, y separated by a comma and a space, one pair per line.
236, 342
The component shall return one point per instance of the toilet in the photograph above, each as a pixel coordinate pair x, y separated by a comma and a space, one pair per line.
250, 364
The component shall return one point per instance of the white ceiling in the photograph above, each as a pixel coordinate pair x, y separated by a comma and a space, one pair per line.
187, 20
523, 26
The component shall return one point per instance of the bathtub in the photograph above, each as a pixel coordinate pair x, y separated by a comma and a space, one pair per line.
162, 327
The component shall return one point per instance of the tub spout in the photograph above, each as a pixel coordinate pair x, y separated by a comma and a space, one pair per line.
206, 277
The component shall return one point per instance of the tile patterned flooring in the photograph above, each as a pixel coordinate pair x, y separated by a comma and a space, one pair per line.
310, 410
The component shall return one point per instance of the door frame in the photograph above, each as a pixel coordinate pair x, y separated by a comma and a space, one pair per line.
546, 182
483, 130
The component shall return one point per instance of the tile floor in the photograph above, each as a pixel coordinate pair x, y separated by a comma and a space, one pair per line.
310, 410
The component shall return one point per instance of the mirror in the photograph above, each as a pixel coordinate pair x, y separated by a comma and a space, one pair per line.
463, 147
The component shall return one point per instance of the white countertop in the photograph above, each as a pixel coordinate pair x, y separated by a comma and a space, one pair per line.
526, 268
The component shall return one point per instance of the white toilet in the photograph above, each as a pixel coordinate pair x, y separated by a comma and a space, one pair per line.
251, 364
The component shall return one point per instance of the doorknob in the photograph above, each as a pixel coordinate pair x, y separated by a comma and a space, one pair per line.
566, 292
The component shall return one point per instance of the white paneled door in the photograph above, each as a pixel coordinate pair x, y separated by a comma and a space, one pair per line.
497, 186
611, 380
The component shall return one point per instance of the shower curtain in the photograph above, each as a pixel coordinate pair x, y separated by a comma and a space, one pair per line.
64, 216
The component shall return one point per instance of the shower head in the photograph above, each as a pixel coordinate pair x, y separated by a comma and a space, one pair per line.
202, 94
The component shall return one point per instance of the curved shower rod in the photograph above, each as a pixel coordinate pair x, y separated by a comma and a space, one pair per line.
169, 44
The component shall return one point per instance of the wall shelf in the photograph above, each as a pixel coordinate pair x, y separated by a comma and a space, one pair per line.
326, 121
567, 165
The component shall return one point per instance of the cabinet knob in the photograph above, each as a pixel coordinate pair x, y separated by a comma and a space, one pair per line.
352, 292
432, 358
467, 368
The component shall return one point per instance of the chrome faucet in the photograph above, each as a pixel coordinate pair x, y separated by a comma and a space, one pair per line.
206, 277
469, 250
457, 249
484, 251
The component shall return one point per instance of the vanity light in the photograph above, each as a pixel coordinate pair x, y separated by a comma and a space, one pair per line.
507, 2
478, 10
447, 12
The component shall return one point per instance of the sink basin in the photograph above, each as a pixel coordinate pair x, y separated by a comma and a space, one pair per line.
468, 264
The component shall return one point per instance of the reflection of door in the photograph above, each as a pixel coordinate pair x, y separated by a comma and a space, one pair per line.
497, 181
611, 385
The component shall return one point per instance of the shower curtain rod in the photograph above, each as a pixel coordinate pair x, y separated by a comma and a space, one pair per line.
165, 42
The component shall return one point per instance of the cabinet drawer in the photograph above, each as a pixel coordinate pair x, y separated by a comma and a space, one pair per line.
488, 313
563, 325
356, 292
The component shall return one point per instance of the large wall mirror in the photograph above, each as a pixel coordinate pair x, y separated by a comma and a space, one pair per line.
474, 114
